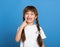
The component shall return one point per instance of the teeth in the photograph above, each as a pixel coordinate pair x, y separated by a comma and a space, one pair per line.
29, 18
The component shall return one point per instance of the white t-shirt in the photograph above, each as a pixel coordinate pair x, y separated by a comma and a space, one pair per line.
31, 34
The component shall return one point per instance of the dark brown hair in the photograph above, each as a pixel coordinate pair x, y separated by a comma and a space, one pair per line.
33, 9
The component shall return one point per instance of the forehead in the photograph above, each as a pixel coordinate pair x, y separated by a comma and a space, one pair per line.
29, 11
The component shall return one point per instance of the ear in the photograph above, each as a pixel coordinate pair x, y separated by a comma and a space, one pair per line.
35, 17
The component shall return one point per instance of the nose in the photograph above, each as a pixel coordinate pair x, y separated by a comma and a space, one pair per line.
29, 15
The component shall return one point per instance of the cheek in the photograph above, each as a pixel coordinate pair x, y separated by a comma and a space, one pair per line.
33, 18
25, 17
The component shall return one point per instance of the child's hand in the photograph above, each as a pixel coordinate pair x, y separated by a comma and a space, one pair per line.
24, 24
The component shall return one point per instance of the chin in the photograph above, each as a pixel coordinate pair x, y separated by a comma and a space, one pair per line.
29, 21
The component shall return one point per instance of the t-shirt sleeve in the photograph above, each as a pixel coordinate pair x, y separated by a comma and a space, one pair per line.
43, 36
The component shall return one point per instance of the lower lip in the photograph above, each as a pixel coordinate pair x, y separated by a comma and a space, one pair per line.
29, 18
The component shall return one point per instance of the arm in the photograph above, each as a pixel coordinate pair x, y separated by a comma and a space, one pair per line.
43, 45
18, 34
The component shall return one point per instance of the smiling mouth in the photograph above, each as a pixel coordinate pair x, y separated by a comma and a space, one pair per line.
29, 18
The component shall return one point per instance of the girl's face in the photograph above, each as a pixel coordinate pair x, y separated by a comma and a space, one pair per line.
30, 17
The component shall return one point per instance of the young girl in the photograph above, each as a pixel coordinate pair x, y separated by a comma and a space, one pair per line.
30, 34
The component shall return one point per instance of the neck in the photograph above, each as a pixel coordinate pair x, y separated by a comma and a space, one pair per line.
30, 23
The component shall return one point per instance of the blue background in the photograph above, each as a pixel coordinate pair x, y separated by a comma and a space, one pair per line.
11, 18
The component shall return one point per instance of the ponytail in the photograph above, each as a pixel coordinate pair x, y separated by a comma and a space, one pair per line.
39, 39
23, 38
